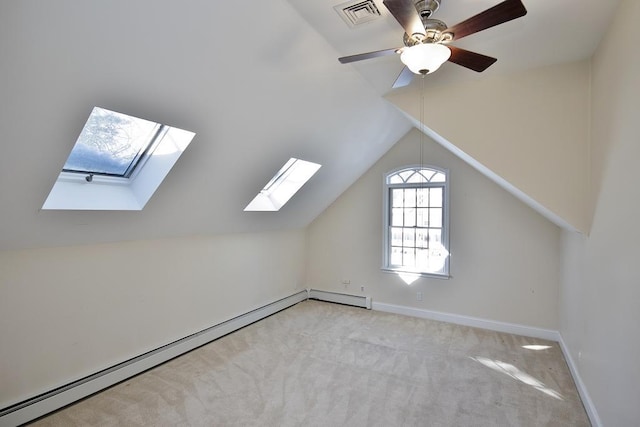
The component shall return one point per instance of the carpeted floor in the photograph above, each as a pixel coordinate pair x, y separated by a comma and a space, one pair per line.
322, 364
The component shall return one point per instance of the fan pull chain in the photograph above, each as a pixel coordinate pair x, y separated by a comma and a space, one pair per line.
422, 122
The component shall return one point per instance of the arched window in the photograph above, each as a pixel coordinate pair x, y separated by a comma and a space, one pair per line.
416, 221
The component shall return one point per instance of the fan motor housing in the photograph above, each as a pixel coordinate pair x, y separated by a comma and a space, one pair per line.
433, 33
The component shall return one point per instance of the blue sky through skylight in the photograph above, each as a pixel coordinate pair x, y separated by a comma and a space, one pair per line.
111, 143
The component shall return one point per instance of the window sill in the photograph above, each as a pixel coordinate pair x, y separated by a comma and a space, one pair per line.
416, 274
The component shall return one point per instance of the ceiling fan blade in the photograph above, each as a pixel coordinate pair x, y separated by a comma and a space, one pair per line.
498, 14
406, 14
368, 55
404, 78
473, 61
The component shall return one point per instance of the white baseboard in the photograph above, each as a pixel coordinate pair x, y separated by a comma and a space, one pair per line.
492, 325
582, 389
355, 300
511, 328
38, 406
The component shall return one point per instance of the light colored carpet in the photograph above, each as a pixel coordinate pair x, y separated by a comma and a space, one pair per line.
322, 364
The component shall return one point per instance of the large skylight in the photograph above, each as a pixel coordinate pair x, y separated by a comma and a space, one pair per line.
111, 143
117, 163
289, 179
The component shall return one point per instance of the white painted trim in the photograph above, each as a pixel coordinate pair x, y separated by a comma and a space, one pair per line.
511, 328
386, 246
355, 300
492, 325
48, 402
582, 388
38, 406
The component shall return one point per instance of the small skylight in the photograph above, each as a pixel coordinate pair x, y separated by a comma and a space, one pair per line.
289, 179
111, 144
117, 163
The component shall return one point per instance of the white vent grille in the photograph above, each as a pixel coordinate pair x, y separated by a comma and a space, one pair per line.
358, 12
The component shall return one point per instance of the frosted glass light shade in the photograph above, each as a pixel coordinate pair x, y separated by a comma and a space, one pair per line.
425, 58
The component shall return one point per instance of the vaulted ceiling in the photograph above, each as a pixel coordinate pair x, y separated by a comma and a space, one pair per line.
258, 82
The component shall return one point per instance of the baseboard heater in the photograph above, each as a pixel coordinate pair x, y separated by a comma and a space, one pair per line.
356, 300
45, 403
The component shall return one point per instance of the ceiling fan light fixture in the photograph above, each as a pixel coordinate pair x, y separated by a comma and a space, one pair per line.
425, 58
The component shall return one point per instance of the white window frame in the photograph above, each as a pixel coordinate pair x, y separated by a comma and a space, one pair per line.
444, 273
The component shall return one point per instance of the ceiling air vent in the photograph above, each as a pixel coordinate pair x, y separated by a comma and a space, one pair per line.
358, 12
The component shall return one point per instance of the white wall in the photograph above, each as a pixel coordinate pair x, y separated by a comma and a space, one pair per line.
600, 291
505, 257
69, 312
530, 128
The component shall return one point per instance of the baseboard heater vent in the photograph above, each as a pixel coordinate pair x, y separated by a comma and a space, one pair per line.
355, 300
45, 403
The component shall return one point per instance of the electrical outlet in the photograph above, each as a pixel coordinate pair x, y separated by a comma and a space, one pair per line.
419, 296
362, 288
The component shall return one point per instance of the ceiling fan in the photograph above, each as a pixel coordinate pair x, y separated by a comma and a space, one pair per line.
426, 40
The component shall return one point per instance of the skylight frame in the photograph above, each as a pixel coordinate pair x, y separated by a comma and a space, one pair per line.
283, 186
84, 191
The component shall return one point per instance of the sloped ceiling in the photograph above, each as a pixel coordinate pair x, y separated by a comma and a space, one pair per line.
254, 81
258, 82
492, 120
533, 140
